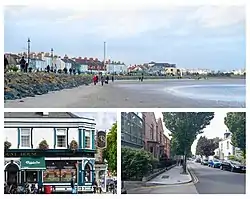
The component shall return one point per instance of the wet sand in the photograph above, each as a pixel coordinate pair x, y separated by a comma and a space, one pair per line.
123, 94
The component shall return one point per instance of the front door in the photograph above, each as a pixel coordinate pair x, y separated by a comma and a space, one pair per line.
12, 171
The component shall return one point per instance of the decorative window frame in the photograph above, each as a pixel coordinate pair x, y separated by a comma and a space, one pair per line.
30, 131
90, 138
60, 133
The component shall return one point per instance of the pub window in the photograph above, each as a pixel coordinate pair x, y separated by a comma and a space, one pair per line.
61, 137
59, 171
25, 138
31, 176
87, 139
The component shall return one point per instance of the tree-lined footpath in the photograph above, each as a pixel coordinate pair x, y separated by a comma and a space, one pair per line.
184, 127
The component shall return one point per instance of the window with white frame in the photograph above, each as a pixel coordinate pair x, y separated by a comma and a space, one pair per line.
25, 138
61, 138
87, 138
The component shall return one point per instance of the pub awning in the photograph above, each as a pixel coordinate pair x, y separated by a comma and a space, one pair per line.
33, 163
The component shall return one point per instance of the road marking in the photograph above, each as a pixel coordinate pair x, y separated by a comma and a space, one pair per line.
194, 177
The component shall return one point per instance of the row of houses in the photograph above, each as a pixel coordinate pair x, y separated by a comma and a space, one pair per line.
155, 68
143, 130
40, 61
49, 148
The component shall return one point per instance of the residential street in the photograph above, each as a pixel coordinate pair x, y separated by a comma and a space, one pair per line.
216, 181
210, 181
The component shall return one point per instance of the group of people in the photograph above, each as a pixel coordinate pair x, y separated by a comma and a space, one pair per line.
103, 79
23, 64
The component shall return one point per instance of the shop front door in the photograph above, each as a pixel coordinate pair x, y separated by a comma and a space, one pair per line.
12, 171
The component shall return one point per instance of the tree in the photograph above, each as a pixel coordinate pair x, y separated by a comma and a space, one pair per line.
216, 142
7, 145
236, 123
110, 153
206, 147
184, 127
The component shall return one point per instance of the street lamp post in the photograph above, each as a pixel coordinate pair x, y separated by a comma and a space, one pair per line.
52, 56
104, 55
28, 51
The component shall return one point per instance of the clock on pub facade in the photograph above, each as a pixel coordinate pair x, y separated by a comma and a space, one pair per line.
101, 139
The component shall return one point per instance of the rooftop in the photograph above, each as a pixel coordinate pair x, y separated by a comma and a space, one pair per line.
39, 115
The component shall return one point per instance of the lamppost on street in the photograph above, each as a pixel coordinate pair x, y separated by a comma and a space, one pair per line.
28, 51
52, 56
104, 55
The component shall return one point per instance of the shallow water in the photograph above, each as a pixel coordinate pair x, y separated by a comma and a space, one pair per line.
229, 93
218, 92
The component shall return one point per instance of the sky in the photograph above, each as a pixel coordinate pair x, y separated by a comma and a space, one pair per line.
190, 36
217, 128
104, 120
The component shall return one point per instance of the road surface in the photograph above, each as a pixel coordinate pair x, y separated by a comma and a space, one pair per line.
216, 181
210, 181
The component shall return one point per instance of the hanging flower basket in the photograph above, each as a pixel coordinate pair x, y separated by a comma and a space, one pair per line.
73, 145
7, 145
43, 145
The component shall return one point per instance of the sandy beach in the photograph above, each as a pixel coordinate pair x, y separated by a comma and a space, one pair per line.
124, 94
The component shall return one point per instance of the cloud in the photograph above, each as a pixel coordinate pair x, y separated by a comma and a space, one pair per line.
109, 23
219, 16
132, 32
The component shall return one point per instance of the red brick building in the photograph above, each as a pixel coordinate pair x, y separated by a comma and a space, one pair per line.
156, 142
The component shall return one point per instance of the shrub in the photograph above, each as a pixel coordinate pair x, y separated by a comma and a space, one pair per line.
13, 68
235, 158
7, 145
43, 145
137, 163
73, 145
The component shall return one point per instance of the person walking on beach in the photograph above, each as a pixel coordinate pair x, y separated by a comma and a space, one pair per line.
48, 69
22, 64
26, 67
102, 80
94, 79
107, 79
6, 63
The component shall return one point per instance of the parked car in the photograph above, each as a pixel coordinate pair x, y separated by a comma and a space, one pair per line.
232, 166
204, 162
198, 160
214, 163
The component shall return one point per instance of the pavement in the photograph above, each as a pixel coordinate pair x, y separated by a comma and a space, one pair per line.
171, 177
123, 93
205, 180
169, 182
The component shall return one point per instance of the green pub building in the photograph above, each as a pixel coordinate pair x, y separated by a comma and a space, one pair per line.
49, 149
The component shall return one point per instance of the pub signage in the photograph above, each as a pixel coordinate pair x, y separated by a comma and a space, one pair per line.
48, 154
